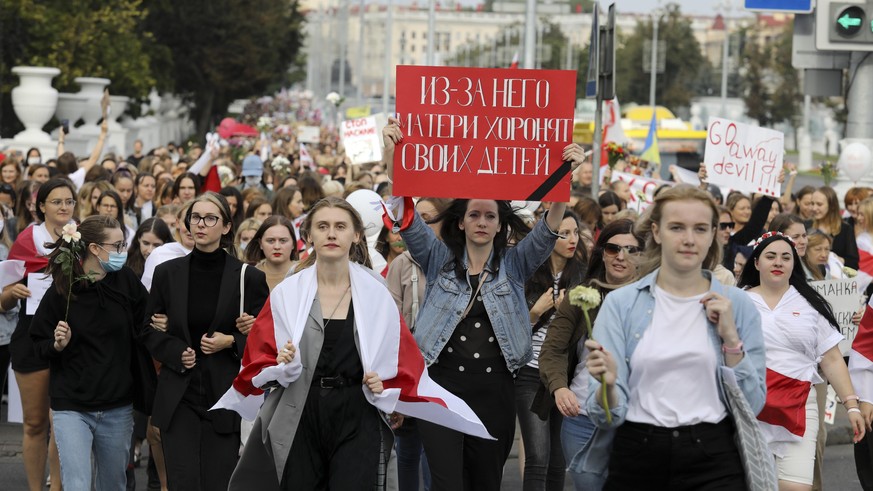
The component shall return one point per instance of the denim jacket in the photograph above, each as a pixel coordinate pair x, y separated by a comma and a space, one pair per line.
446, 296
623, 318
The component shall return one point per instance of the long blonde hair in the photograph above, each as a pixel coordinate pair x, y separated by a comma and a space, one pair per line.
358, 253
651, 259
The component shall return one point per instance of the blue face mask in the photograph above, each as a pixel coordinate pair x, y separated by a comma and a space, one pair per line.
115, 263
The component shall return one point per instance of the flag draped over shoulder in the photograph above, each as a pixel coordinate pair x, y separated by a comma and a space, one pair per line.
386, 347
30, 247
865, 261
861, 357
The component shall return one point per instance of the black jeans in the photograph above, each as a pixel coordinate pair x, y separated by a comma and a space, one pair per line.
544, 467
702, 456
460, 462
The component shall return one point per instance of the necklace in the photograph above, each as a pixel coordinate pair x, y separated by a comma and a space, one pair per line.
330, 317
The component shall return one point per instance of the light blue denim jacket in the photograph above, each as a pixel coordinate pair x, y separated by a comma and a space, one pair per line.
446, 296
624, 317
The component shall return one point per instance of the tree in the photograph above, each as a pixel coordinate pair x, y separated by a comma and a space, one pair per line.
81, 38
221, 50
771, 84
684, 62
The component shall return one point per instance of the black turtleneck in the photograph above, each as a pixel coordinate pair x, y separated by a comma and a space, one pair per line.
204, 283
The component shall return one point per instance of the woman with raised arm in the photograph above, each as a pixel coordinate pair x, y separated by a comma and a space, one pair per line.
474, 325
676, 324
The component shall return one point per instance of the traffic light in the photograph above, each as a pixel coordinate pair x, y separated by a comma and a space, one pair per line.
844, 25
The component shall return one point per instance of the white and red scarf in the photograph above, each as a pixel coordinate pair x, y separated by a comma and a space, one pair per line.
385, 345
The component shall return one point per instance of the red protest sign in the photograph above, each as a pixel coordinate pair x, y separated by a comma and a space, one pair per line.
484, 133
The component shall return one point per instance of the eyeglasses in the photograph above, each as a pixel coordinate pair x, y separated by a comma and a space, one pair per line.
109, 206
208, 220
118, 246
613, 250
726, 225
64, 202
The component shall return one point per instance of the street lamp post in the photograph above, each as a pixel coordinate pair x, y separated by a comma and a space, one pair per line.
726, 7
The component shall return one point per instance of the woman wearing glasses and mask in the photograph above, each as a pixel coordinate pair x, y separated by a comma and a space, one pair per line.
200, 350
86, 327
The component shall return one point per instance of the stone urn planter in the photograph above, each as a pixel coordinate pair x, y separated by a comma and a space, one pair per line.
118, 103
34, 101
92, 90
70, 107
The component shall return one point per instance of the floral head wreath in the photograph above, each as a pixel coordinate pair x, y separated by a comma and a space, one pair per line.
767, 235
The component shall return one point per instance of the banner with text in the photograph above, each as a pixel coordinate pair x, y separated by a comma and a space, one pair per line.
744, 157
362, 140
484, 133
642, 189
846, 299
308, 134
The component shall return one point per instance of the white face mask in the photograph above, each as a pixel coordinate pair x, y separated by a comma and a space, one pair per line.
2, 224
253, 180
243, 245
34, 160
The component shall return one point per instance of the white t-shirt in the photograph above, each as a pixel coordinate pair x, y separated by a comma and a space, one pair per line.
674, 367
579, 384
795, 336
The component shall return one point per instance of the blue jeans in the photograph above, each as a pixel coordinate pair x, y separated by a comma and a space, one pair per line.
543, 460
410, 455
575, 435
107, 433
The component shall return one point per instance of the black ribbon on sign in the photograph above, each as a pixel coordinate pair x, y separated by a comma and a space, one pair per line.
551, 182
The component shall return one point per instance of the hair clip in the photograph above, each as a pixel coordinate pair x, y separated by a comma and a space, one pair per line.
767, 235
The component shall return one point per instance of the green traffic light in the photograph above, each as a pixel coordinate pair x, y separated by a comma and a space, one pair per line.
848, 21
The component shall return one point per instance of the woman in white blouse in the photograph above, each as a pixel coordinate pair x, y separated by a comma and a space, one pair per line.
800, 332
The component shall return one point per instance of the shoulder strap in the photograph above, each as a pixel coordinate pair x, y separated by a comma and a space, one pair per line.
242, 289
414, 296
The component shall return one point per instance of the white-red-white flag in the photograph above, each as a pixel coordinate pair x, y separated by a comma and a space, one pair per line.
861, 357
514, 63
385, 345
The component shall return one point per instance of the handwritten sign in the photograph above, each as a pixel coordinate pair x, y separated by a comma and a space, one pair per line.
362, 140
309, 134
642, 189
484, 133
845, 298
744, 157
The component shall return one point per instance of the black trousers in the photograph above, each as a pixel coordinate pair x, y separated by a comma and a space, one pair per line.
462, 462
864, 462
698, 457
337, 444
196, 456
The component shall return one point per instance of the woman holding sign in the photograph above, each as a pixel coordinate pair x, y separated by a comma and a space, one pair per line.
799, 329
474, 326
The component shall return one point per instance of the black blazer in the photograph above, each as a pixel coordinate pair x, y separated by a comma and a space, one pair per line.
169, 296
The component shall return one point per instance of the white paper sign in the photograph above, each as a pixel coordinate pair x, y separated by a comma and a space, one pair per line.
744, 157
830, 411
38, 284
361, 139
845, 298
642, 189
309, 134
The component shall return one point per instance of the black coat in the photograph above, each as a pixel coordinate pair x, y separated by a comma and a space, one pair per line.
169, 296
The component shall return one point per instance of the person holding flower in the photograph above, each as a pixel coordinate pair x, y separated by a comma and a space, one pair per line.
660, 346
562, 359
474, 327
86, 326
801, 333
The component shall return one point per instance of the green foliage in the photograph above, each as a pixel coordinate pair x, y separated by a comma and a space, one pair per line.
221, 50
684, 62
771, 85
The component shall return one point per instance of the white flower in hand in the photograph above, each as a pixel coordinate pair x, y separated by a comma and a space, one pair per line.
333, 98
70, 233
585, 297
